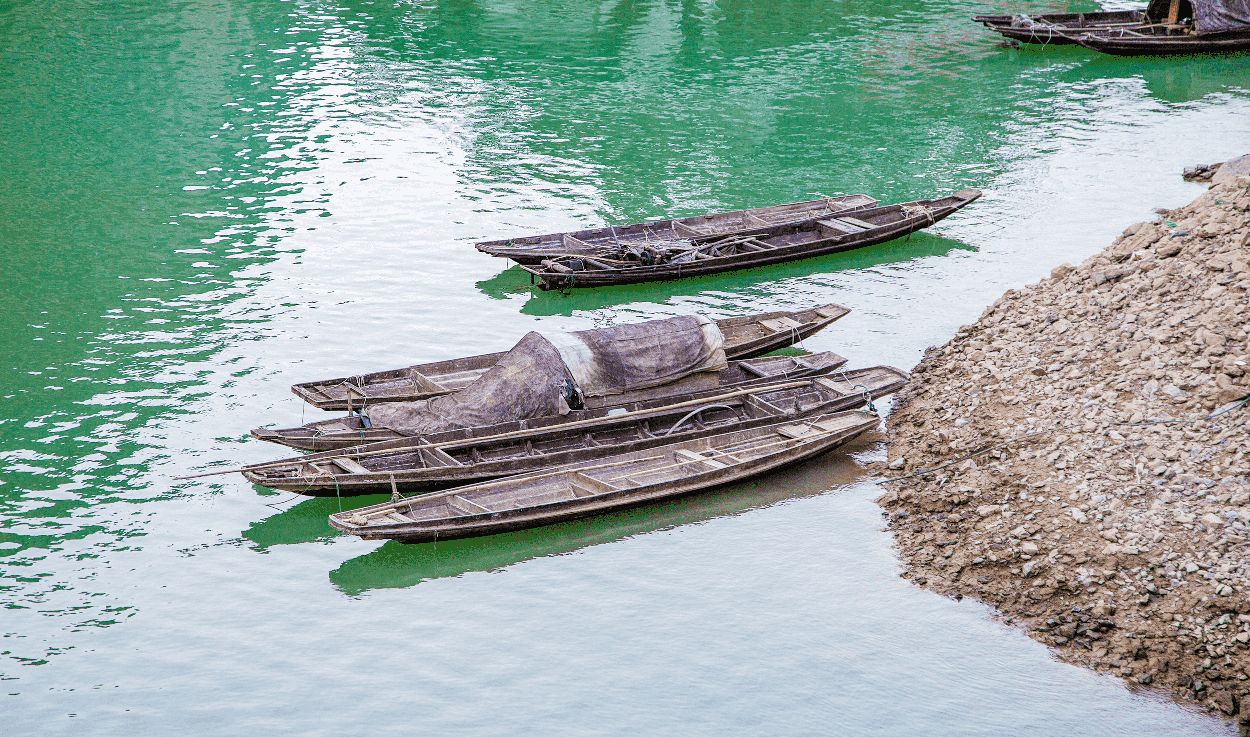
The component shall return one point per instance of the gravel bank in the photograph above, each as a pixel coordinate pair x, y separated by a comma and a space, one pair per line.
1105, 509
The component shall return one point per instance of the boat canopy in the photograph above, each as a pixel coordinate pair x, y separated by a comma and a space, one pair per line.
1210, 16
547, 375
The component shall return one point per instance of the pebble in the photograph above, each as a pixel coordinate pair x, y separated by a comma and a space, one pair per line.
1141, 500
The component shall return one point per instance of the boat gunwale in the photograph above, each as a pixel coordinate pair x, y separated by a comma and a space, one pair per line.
539, 514
407, 479
531, 249
549, 280
812, 321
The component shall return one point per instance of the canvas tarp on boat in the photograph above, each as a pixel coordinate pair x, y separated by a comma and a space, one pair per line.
1210, 16
543, 376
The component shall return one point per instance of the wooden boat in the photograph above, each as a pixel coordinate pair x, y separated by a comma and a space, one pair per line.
420, 464
351, 430
1165, 27
1058, 28
604, 484
745, 337
716, 255
533, 249
1163, 41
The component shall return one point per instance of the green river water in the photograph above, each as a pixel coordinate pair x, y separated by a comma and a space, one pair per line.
202, 203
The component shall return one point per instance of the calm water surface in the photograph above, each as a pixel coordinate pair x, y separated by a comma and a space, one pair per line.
202, 203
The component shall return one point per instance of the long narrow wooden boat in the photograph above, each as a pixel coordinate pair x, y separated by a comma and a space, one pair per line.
421, 464
1163, 41
344, 432
745, 337
785, 243
1058, 28
605, 484
533, 249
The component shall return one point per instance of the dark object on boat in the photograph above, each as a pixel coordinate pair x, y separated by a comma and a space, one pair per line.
351, 430
533, 249
745, 337
429, 462
1057, 28
605, 484
784, 243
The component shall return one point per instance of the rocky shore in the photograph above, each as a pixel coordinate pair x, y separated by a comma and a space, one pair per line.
1077, 458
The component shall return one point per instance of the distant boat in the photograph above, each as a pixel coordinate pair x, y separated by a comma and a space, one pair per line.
1057, 28
604, 484
533, 249
1165, 27
421, 464
700, 256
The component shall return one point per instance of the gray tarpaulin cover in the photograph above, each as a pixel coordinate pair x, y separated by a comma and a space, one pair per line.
535, 378
1210, 16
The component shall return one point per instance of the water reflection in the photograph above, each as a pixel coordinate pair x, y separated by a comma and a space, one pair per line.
206, 203
303, 521
396, 565
144, 174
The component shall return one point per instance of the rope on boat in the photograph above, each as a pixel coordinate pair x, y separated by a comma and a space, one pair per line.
915, 210
692, 413
869, 407
279, 505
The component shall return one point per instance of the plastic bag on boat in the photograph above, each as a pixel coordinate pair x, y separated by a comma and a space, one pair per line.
543, 376
630, 357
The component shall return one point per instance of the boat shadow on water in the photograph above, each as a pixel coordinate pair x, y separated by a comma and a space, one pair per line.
1173, 80
397, 565
304, 522
514, 281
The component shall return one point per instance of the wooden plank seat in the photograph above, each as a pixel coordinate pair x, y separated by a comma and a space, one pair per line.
863, 224
574, 243
839, 226
347, 464
794, 432
586, 486
686, 231
424, 383
841, 387
754, 244
693, 457
781, 324
466, 506
437, 457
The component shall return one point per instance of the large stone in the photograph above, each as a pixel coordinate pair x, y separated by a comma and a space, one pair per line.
1231, 170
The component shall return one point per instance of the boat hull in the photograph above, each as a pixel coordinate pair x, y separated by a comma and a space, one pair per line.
531, 517
1057, 28
346, 432
1126, 45
533, 249
346, 393
551, 280
624, 438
